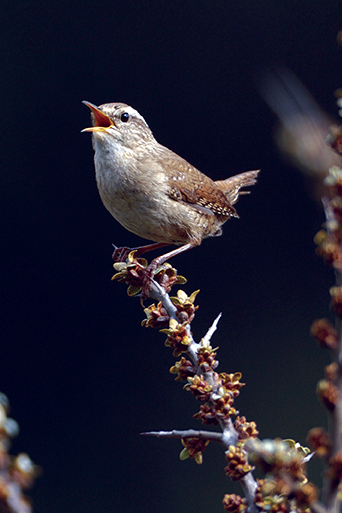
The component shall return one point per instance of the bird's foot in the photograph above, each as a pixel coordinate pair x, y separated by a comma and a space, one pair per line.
121, 254
161, 273
147, 282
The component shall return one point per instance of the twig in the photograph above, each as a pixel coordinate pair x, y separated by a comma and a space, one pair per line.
334, 228
229, 435
189, 433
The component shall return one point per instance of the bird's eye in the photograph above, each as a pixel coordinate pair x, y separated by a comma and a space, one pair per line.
124, 117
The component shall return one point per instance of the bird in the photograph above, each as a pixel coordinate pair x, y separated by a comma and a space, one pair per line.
153, 192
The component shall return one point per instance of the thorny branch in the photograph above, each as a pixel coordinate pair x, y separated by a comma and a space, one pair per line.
229, 437
17, 473
285, 487
329, 243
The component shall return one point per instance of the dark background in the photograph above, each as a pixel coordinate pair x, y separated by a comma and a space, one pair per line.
83, 377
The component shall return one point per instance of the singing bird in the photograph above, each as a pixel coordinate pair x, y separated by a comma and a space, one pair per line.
152, 191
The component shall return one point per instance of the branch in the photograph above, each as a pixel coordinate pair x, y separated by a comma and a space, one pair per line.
189, 433
329, 242
334, 229
229, 436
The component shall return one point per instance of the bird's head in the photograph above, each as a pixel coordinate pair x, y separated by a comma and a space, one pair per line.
120, 123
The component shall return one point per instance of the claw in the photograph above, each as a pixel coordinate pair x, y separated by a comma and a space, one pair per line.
148, 278
121, 254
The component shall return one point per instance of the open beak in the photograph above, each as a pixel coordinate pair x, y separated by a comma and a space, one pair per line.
101, 120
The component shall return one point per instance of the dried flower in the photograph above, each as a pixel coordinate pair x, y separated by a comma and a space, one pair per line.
177, 337
232, 382
132, 272
336, 301
331, 371
184, 369
199, 388
17, 473
334, 139
23, 470
328, 245
305, 495
279, 457
245, 429
167, 276
234, 503
185, 305
223, 401
334, 471
156, 316
324, 334
207, 415
206, 358
193, 448
319, 440
328, 393
238, 465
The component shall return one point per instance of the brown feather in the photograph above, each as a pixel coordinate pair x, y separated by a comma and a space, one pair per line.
232, 185
191, 186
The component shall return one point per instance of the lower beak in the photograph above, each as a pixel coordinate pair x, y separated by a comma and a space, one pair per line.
95, 129
101, 121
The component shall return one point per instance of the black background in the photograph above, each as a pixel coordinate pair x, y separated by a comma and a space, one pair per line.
82, 376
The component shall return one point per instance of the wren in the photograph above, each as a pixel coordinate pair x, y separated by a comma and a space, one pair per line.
152, 191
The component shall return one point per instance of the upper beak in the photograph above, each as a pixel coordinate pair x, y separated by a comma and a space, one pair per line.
101, 120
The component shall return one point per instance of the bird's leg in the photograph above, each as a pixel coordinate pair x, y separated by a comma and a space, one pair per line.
121, 254
163, 258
